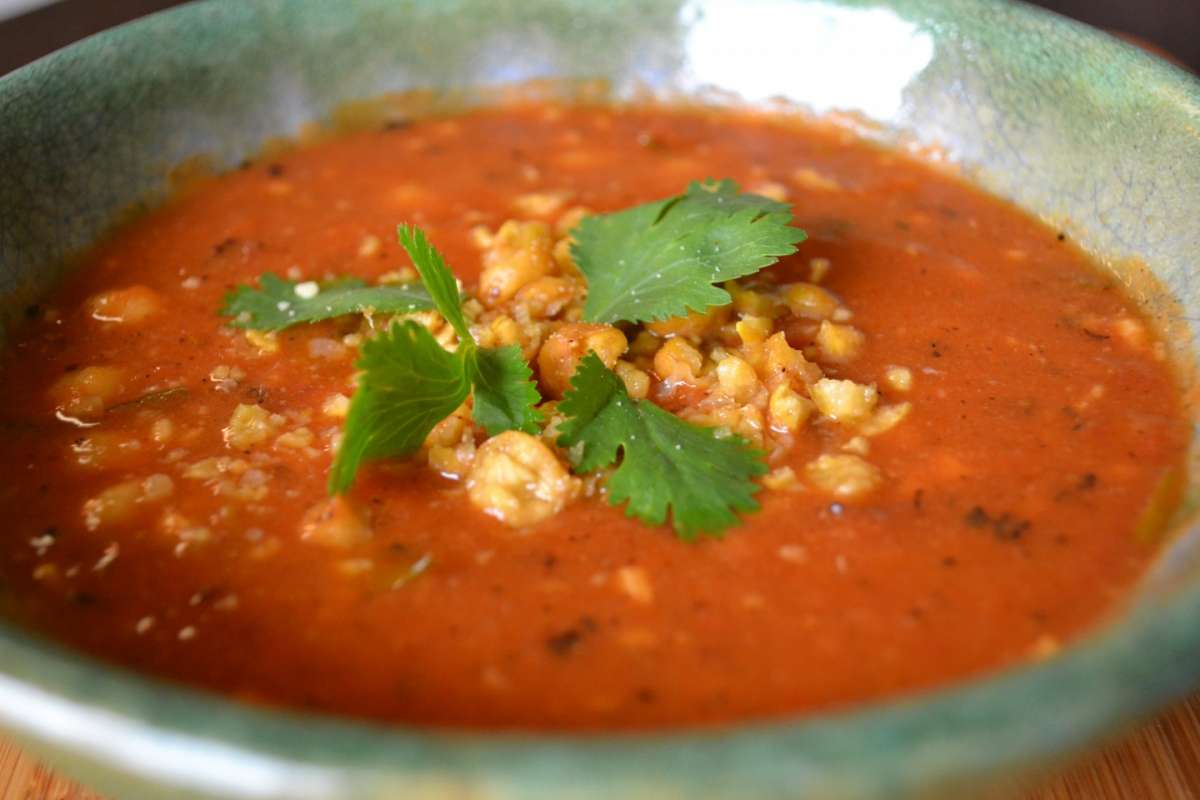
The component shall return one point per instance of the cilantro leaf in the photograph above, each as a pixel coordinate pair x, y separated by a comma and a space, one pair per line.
437, 277
408, 385
666, 464
661, 259
275, 305
505, 396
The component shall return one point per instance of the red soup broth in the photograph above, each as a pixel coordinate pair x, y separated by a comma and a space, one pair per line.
1043, 419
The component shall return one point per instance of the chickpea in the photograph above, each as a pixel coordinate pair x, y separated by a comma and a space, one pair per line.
637, 382
784, 364
772, 189
297, 439
453, 462
644, 345
162, 430
546, 296
780, 479
677, 360
566, 347
86, 393
105, 450
265, 343
635, 582
129, 306
753, 331
114, 505
696, 324
122, 502
569, 219
748, 302
885, 418
563, 258
520, 253
810, 301
540, 204
334, 522
839, 343
750, 424
518, 480
843, 475
504, 330
844, 401
336, 405
249, 425
787, 410
737, 378
898, 378
449, 431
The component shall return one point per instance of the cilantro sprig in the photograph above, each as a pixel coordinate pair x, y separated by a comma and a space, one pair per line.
505, 395
278, 303
662, 259
646, 263
664, 464
409, 383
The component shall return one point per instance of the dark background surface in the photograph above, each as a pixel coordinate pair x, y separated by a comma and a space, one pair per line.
1173, 25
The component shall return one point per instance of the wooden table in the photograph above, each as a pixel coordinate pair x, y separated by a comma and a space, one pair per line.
1161, 761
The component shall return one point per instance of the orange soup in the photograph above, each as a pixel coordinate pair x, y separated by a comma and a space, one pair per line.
961, 424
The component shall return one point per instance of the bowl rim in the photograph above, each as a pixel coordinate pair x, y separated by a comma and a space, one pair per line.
50, 696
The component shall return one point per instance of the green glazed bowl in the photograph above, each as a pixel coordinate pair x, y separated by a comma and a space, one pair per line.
1064, 120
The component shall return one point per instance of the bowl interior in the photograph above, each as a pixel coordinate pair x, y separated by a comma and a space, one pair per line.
1087, 132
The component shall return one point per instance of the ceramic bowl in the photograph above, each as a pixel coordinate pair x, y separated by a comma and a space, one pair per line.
1064, 120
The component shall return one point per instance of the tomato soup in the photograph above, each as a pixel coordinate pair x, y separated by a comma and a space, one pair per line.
164, 473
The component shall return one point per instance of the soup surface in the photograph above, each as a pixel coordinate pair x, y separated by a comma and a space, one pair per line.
1000, 517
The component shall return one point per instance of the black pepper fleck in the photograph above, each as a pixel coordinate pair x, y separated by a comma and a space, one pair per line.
1004, 527
223, 246
977, 517
1009, 529
561, 644
85, 599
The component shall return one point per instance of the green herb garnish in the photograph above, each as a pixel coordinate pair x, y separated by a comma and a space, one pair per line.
650, 262
662, 259
409, 383
277, 303
665, 464
505, 395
